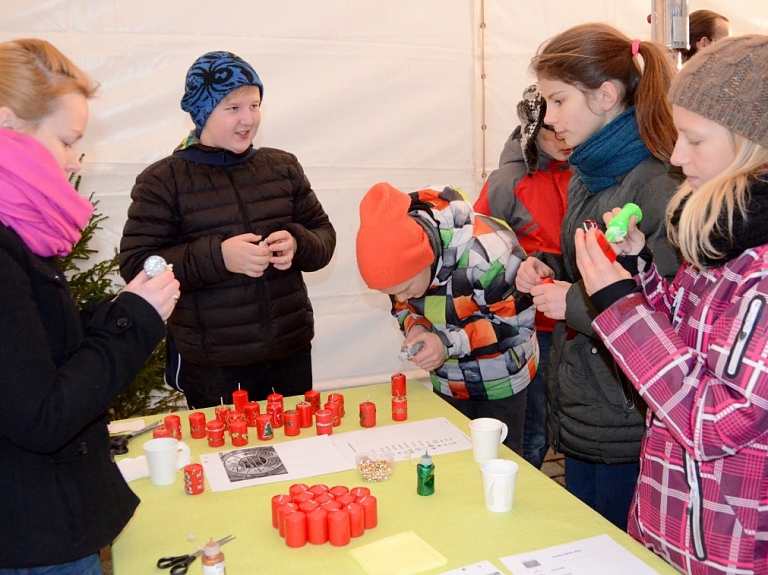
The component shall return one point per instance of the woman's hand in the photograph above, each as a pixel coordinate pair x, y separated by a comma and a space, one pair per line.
161, 291
597, 271
635, 240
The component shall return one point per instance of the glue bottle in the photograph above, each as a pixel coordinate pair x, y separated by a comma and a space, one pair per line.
425, 475
213, 559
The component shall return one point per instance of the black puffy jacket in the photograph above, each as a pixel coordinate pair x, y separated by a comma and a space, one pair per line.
185, 205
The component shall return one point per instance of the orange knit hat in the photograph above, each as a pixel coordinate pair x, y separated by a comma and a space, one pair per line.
392, 247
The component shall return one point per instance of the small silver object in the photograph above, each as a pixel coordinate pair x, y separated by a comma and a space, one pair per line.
154, 265
408, 351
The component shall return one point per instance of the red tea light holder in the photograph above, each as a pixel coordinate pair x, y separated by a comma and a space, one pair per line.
197, 425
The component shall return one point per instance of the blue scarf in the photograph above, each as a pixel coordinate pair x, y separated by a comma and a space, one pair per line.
610, 152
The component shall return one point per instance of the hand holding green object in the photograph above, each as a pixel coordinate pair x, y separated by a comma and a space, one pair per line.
617, 227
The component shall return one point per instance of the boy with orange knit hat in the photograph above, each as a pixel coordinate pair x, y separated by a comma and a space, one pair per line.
450, 274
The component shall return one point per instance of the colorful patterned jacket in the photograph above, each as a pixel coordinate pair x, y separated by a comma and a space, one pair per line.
697, 351
489, 336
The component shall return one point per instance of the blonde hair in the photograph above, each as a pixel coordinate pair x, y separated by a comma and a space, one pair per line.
587, 55
709, 210
33, 74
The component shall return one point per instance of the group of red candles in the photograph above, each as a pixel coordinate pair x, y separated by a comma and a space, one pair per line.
319, 514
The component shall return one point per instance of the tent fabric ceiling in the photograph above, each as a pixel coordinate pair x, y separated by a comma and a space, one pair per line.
361, 92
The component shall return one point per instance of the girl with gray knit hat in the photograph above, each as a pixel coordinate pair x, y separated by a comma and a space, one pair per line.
696, 349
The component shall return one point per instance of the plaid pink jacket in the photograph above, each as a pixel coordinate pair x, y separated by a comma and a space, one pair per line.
697, 351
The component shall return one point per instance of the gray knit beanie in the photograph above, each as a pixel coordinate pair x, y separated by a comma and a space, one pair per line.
727, 82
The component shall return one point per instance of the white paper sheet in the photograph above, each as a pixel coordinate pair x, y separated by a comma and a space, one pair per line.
261, 462
598, 555
482, 568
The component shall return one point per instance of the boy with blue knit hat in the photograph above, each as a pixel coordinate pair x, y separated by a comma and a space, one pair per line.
239, 225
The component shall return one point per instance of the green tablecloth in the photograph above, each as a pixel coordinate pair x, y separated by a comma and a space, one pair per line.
453, 521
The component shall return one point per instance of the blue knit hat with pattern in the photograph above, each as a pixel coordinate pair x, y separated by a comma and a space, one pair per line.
210, 79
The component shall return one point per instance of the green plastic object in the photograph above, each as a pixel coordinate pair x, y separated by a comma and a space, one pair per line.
617, 227
425, 473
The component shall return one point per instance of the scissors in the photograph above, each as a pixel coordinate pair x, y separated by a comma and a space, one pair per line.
119, 443
179, 565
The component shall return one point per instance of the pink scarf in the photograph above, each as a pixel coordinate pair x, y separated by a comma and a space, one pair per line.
36, 200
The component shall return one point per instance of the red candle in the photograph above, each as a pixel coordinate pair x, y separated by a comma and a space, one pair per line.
291, 422
338, 398
297, 488
194, 483
367, 414
173, 423
238, 432
313, 397
304, 408
264, 427
337, 490
359, 492
275, 397
370, 511
309, 505
251, 410
215, 429
356, 519
338, 527
296, 529
302, 496
324, 422
221, 412
234, 416
197, 425
239, 399
278, 501
331, 505
399, 408
346, 499
317, 526
335, 408
275, 410
318, 488
323, 497
161, 431
398, 384
282, 511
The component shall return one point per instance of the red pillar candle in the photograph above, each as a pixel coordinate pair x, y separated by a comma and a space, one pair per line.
275, 410
367, 414
338, 398
337, 490
282, 511
313, 398
239, 399
304, 408
317, 526
338, 527
359, 492
302, 496
335, 408
309, 505
318, 488
346, 499
323, 497
221, 412
291, 422
251, 410
215, 431
275, 397
296, 529
197, 425
297, 488
264, 427
370, 510
332, 505
194, 483
399, 408
356, 519
234, 416
238, 432
173, 423
161, 431
278, 501
398, 384
324, 422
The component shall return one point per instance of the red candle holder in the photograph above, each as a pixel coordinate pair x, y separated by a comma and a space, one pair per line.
239, 399
215, 430
304, 409
238, 432
251, 410
367, 414
398, 384
173, 423
399, 408
291, 422
197, 425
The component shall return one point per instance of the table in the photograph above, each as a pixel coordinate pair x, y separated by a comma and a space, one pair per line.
453, 521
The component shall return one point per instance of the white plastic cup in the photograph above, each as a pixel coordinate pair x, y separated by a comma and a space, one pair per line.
165, 456
487, 435
499, 480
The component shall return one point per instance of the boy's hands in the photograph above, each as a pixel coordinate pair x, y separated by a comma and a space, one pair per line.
282, 246
432, 355
244, 255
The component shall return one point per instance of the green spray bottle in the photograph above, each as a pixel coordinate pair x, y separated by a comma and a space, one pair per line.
425, 475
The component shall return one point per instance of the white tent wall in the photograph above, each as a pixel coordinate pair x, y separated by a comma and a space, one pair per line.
360, 91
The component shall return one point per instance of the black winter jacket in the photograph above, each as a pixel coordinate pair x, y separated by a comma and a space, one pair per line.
184, 206
63, 497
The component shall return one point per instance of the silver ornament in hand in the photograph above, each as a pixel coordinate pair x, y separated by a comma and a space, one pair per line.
155, 265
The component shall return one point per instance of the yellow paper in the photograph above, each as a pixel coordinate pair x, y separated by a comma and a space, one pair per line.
402, 554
